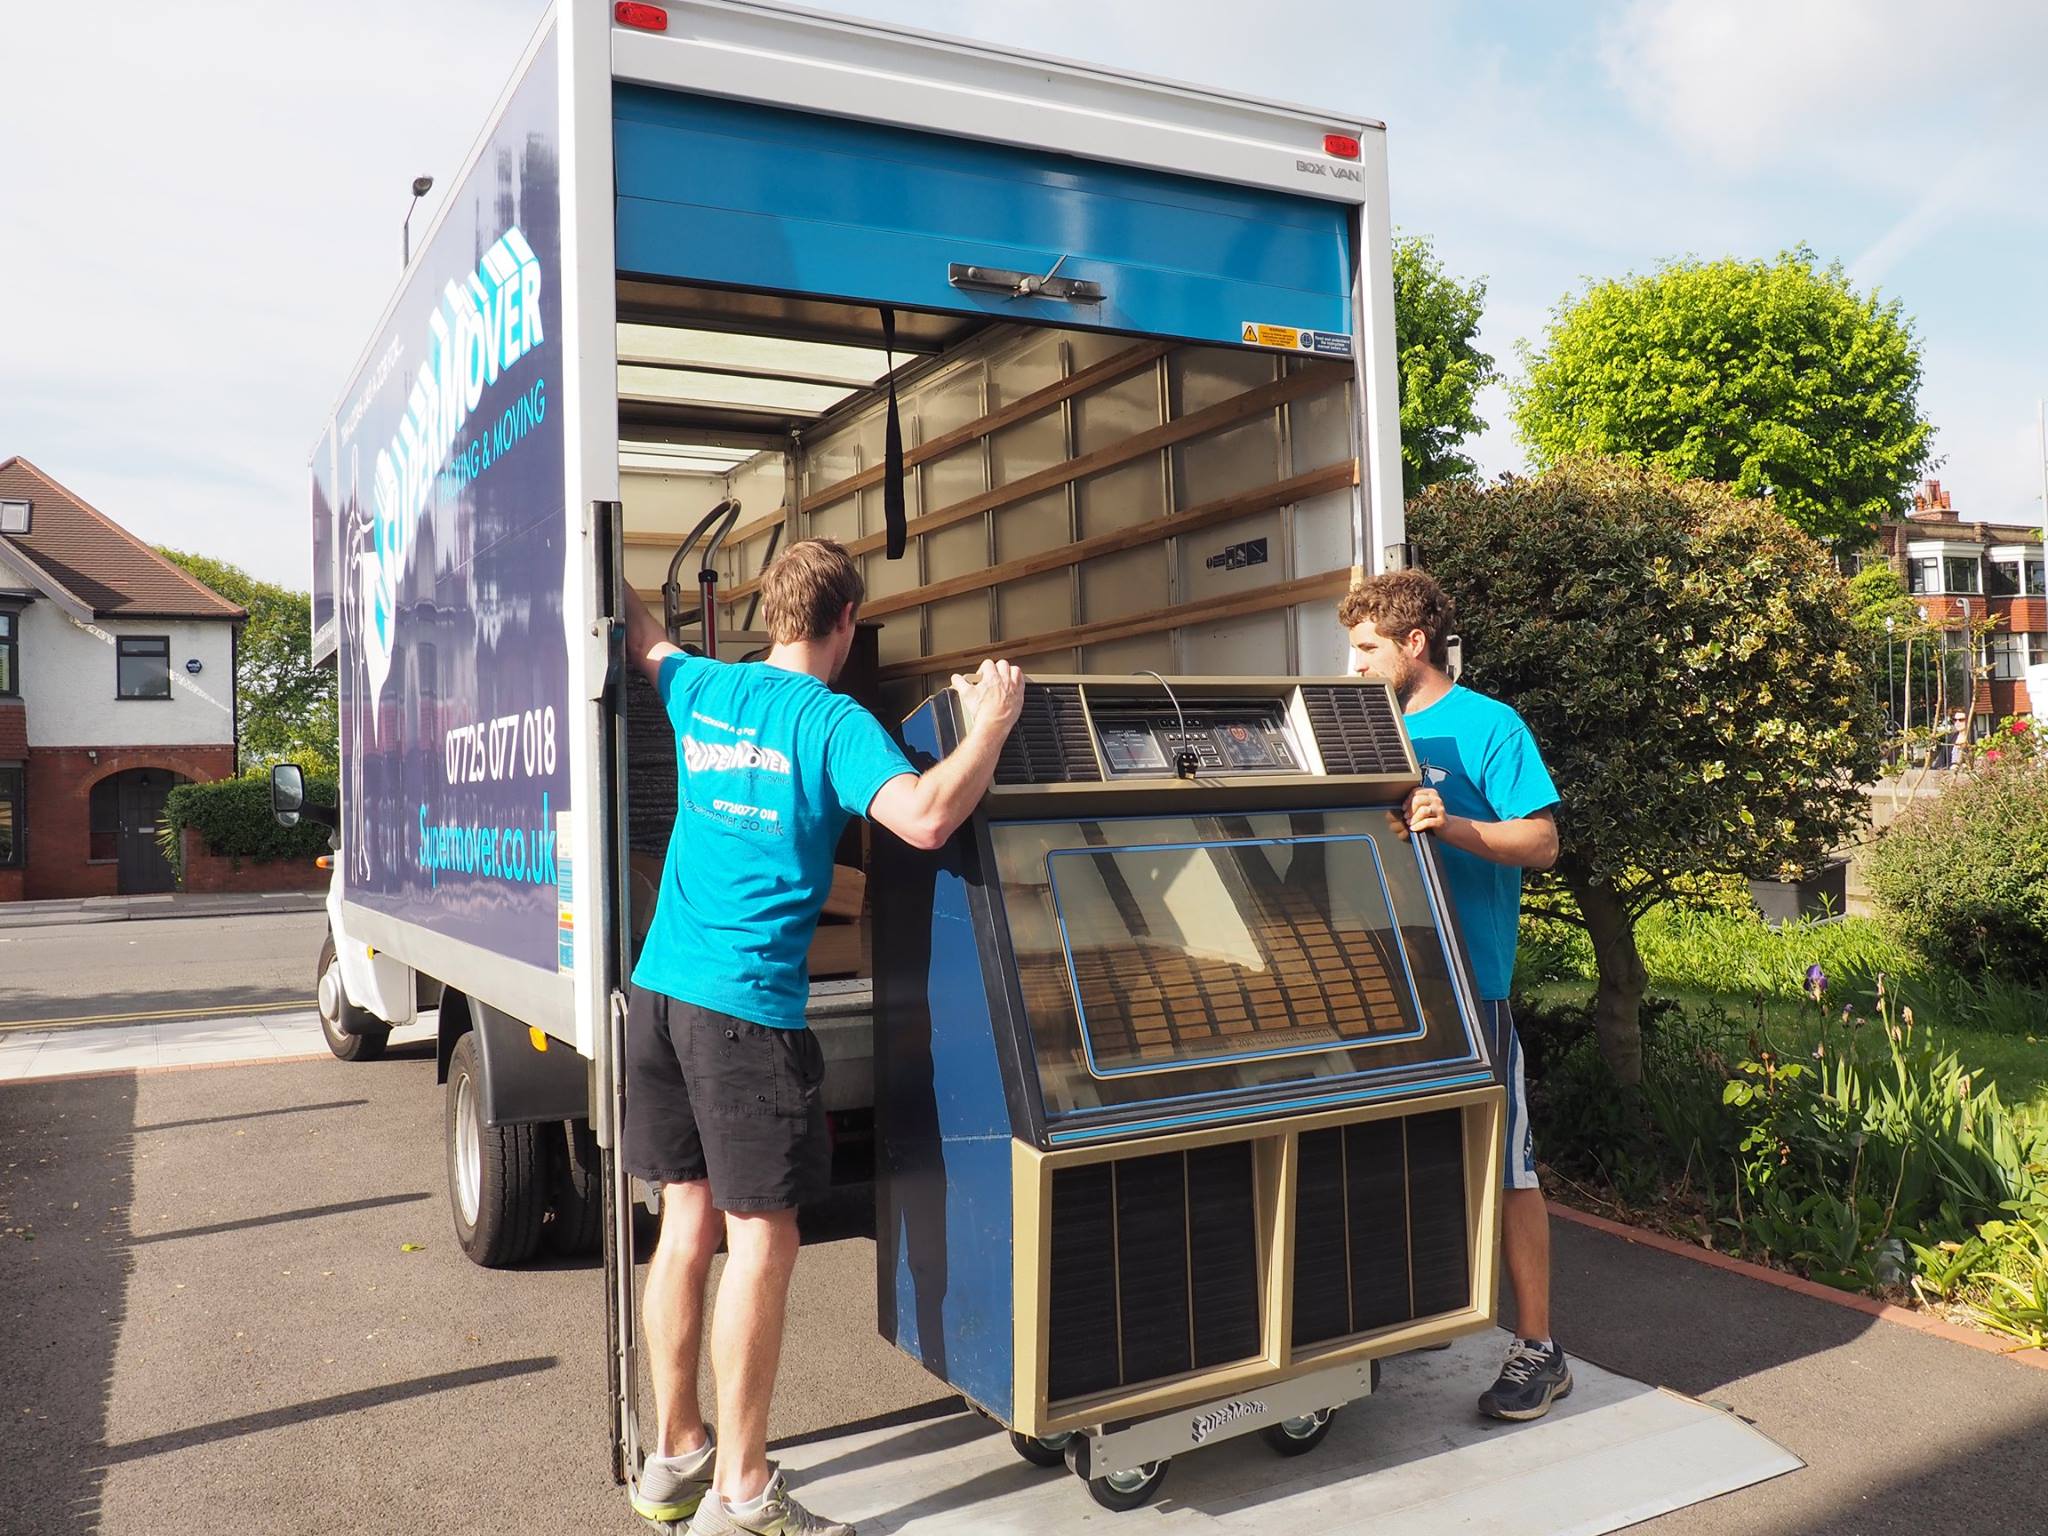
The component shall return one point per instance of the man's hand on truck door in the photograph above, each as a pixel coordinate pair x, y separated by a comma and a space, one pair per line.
646, 642
924, 809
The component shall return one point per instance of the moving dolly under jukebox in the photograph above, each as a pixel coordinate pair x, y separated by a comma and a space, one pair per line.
1185, 1113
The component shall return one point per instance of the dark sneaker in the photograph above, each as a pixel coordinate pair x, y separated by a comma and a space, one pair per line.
781, 1515
668, 1490
1534, 1376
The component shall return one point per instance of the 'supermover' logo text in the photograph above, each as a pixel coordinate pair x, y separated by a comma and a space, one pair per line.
493, 852
482, 326
713, 756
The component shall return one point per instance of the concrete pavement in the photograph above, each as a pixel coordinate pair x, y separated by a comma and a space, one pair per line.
156, 908
210, 1320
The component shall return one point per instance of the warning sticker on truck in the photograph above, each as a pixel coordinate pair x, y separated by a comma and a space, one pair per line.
1288, 338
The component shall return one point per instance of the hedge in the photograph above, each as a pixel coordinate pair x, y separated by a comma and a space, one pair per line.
234, 818
1966, 875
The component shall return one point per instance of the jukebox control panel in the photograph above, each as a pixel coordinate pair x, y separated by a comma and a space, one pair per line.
1144, 741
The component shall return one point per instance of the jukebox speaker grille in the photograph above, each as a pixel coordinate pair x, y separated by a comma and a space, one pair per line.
1379, 1234
1050, 743
1154, 1268
1355, 729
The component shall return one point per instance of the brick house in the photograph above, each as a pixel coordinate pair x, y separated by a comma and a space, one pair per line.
1961, 572
117, 681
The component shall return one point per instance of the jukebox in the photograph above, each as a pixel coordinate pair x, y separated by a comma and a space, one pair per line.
1185, 1112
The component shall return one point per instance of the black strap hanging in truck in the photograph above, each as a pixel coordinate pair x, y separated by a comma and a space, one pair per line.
895, 525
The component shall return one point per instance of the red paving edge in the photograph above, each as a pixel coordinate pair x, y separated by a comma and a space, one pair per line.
1884, 1311
174, 1066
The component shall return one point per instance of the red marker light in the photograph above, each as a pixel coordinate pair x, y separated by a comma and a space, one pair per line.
1341, 145
648, 18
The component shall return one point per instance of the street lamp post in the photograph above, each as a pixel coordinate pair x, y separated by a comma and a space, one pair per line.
421, 186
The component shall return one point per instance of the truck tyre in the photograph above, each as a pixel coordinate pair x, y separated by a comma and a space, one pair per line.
575, 1219
371, 1033
497, 1175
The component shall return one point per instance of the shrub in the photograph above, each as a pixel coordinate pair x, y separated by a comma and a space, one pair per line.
1966, 874
234, 818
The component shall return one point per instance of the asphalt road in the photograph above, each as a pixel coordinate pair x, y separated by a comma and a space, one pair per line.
210, 1321
158, 967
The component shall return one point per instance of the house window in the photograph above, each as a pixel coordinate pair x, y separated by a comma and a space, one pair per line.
12, 817
143, 665
2001, 578
10, 665
1924, 575
2006, 656
2037, 648
103, 822
1959, 574
14, 516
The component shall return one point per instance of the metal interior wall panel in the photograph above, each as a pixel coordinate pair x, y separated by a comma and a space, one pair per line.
1025, 449
840, 520
1034, 365
1199, 377
1117, 498
1241, 458
1321, 429
1107, 416
958, 623
1320, 533
1256, 643
1126, 582
1153, 652
1241, 555
1035, 605
706, 192
888, 578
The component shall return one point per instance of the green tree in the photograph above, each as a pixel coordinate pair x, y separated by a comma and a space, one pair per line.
284, 705
1686, 662
1773, 377
1436, 318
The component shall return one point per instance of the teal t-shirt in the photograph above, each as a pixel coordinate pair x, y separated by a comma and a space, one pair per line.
1480, 757
769, 765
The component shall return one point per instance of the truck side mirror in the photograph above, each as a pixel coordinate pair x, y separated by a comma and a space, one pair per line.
287, 793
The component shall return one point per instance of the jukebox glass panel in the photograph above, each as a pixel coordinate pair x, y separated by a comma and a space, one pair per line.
1176, 957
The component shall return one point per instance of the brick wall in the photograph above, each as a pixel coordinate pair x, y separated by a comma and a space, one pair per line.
11, 884
214, 872
60, 781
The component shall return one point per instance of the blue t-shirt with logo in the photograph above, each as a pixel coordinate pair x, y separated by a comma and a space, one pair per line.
770, 763
1478, 755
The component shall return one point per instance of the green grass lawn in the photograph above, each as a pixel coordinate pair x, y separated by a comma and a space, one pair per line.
1733, 963
2017, 1063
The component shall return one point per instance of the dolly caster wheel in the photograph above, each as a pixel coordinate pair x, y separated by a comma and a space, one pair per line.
1128, 1490
1297, 1437
1048, 1452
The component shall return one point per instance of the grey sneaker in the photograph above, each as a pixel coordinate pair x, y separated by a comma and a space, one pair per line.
781, 1515
1534, 1376
668, 1491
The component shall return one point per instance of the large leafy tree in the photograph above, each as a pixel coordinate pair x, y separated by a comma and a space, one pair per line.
1685, 659
284, 705
1436, 321
1774, 377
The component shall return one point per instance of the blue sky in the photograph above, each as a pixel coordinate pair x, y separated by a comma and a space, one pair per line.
204, 200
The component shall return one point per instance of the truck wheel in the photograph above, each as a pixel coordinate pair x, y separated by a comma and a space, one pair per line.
497, 1175
575, 1218
367, 1044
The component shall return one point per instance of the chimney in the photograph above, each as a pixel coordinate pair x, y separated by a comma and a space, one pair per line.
1931, 503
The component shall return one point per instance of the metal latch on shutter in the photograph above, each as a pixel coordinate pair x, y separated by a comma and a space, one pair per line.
1025, 285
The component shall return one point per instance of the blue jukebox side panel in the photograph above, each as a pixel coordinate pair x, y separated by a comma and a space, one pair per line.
942, 1221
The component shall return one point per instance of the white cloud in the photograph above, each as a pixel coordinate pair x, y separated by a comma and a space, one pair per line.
1882, 92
